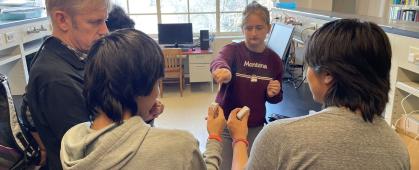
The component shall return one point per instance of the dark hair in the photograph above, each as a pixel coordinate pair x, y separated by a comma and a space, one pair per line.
118, 19
121, 66
358, 56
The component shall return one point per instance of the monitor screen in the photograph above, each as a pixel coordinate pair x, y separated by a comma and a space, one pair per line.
279, 39
179, 33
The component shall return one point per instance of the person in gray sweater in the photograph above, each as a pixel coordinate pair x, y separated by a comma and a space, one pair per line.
121, 86
349, 73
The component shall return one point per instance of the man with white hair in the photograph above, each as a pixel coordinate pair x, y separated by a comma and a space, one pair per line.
56, 77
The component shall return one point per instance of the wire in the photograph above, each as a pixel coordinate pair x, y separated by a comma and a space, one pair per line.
405, 115
301, 32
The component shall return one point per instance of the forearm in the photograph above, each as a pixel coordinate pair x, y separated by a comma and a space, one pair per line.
212, 154
239, 156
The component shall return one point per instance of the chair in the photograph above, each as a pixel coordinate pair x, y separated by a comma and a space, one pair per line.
173, 71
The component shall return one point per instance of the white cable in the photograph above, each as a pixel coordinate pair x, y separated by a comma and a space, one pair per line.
307, 28
405, 114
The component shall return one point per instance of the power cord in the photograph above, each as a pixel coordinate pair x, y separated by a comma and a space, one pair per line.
405, 115
301, 33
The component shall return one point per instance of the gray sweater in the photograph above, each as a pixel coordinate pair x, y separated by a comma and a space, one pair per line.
334, 138
135, 145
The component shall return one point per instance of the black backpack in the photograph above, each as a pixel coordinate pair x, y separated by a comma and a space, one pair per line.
18, 149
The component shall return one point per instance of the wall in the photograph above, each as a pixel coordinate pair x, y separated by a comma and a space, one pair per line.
344, 6
324, 5
374, 8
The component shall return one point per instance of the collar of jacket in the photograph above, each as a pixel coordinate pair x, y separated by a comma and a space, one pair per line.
66, 53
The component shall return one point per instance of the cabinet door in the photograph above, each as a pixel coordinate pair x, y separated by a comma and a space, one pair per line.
344, 6
199, 73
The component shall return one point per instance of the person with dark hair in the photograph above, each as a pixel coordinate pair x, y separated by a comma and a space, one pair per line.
122, 76
118, 19
349, 73
250, 74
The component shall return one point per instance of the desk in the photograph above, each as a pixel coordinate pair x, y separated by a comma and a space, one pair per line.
199, 65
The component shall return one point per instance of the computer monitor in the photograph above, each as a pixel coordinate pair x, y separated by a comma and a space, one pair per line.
175, 34
279, 39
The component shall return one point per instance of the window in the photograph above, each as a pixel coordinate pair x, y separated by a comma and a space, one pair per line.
203, 14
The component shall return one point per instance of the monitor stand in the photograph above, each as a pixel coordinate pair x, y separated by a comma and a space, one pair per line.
175, 45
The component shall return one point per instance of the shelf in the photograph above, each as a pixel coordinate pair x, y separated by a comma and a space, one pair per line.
409, 87
7, 59
407, 7
31, 50
32, 46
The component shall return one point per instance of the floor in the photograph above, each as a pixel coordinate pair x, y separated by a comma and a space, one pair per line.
187, 112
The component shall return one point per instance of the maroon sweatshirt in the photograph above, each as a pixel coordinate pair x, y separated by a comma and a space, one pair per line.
251, 73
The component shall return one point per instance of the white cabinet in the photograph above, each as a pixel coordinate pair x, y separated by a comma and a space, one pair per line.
17, 40
199, 68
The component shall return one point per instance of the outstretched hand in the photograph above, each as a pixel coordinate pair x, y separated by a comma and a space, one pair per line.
215, 121
221, 75
238, 128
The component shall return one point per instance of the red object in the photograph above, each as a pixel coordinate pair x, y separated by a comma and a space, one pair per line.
216, 137
241, 140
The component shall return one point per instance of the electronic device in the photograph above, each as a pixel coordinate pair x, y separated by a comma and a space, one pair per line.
177, 35
243, 111
204, 39
280, 39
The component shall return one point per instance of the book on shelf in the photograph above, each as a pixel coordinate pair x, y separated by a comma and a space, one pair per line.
398, 13
405, 2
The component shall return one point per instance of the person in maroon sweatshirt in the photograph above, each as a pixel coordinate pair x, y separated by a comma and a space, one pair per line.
250, 74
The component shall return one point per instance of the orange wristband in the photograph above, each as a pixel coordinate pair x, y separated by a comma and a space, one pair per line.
241, 140
215, 137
